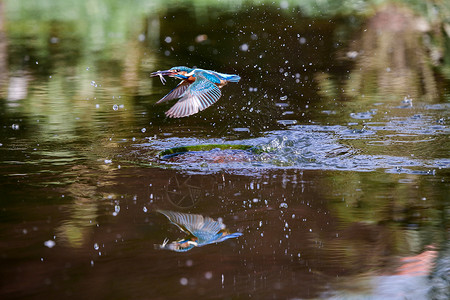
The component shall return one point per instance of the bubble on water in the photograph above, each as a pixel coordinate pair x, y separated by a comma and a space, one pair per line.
97, 105
168, 39
283, 98
208, 275
302, 40
50, 243
115, 107
96, 246
184, 281
92, 263
145, 209
143, 130
108, 161
94, 84
15, 126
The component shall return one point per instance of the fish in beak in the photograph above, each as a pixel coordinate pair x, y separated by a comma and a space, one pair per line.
161, 75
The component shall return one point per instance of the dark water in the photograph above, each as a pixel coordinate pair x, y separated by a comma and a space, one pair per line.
347, 199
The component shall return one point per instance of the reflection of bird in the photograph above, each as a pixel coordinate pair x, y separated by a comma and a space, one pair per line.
198, 89
201, 231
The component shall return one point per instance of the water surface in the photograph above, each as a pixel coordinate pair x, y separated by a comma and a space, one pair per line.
346, 197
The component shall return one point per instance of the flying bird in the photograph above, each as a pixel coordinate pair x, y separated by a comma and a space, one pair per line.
200, 231
198, 89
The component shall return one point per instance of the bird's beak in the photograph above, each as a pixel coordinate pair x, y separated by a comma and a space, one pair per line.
162, 73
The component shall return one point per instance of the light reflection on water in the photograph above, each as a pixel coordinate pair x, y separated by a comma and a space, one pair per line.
348, 198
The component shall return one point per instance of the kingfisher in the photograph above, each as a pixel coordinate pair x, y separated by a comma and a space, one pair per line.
197, 90
200, 231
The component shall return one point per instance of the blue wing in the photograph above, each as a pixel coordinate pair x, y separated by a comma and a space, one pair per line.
199, 95
176, 92
204, 228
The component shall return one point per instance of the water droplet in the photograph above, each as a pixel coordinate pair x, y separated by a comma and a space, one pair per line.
283, 205
183, 281
244, 47
50, 243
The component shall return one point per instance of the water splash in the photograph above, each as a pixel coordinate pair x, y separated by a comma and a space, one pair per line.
306, 147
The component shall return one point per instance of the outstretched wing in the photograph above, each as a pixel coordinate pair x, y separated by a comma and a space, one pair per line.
197, 225
176, 92
199, 95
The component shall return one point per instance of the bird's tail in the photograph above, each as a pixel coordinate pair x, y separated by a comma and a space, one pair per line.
233, 78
